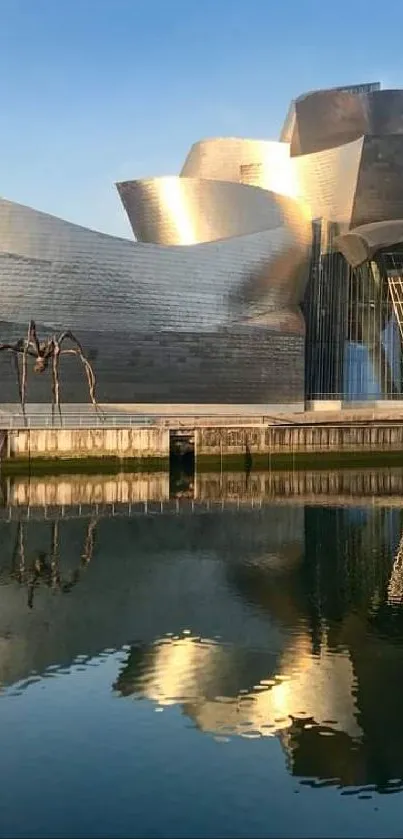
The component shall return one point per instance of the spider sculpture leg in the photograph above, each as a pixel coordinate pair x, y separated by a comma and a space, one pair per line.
25, 351
16, 349
18, 374
53, 391
33, 338
55, 381
78, 350
90, 378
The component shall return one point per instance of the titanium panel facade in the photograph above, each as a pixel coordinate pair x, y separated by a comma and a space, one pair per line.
289, 126
163, 324
237, 289
327, 181
189, 211
379, 192
65, 274
260, 163
328, 118
221, 158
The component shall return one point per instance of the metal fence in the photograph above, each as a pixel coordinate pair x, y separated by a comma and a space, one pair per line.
106, 419
74, 420
109, 419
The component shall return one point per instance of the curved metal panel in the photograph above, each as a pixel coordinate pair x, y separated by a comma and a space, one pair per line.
385, 112
187, 211
221, 158
261, 163
66, 273
379, 188
207, 323
329, 118
327, 181
353, 184
289, 125
361, 243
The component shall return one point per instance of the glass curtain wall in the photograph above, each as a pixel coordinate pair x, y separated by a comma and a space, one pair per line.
354, 325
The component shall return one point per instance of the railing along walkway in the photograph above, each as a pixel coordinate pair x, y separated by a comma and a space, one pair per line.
76, 420
10, 422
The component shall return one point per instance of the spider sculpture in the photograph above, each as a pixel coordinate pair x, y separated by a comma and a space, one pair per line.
47, 352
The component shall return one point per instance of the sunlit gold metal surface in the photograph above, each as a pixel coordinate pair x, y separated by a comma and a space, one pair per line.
260, 163
189, 211
221, 158
327, 181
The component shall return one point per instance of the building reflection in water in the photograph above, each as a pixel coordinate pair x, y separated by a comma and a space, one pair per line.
283, 621
315, 486
334, 693
238, 692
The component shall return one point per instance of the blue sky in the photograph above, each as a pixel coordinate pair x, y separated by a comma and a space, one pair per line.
94, 91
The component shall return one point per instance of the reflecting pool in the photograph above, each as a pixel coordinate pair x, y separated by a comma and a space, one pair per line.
207, 656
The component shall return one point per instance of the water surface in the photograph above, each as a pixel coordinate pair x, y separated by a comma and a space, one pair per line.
214, 656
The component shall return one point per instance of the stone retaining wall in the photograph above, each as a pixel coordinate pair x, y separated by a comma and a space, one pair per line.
85, 443
154, 442
301, 439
